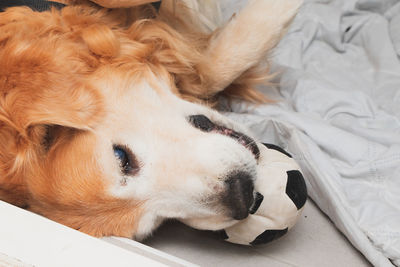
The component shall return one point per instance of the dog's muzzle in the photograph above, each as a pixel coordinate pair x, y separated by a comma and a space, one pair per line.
239, 193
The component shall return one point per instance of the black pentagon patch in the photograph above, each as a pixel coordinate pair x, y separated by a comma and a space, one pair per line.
268, 236
296, 188
258, 198
277, 148
221, 234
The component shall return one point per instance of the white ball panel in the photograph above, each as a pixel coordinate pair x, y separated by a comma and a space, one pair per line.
248, 229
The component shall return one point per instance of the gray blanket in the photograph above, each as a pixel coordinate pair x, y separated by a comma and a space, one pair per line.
338, 112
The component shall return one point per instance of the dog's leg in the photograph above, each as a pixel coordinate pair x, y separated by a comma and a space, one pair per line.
245, 41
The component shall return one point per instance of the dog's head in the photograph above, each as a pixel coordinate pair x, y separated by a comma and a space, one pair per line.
96, 130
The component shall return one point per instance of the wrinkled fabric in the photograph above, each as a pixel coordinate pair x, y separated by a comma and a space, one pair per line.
338, 113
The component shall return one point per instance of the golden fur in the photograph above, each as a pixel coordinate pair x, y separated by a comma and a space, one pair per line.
50, 108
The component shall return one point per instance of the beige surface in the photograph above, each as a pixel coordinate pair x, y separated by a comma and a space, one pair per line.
314, 241
7, 261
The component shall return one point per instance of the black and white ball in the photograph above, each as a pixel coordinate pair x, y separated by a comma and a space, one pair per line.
279, 200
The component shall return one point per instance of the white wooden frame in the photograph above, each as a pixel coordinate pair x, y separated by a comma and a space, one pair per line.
27, 239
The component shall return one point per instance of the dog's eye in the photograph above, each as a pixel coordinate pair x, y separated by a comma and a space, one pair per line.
127, 160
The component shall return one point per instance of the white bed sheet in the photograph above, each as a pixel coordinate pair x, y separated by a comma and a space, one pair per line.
338, 113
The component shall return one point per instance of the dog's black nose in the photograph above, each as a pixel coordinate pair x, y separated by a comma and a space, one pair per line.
239, 194
202, 122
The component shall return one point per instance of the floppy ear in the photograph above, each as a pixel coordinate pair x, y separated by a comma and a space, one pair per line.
245, 41
34, 94
25, 134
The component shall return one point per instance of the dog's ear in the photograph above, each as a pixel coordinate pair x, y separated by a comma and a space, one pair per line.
33, 109
30, 118
244, 41
35, 103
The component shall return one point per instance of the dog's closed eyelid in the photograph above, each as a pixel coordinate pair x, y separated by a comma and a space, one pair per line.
50, 133
47, 139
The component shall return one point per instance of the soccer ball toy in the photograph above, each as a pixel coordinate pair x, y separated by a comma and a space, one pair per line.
279, 201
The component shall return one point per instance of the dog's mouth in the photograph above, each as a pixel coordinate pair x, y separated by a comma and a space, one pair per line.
205, 124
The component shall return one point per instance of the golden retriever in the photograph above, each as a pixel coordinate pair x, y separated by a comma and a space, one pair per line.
106, 123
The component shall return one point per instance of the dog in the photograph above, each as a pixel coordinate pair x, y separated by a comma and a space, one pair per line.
106, 113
